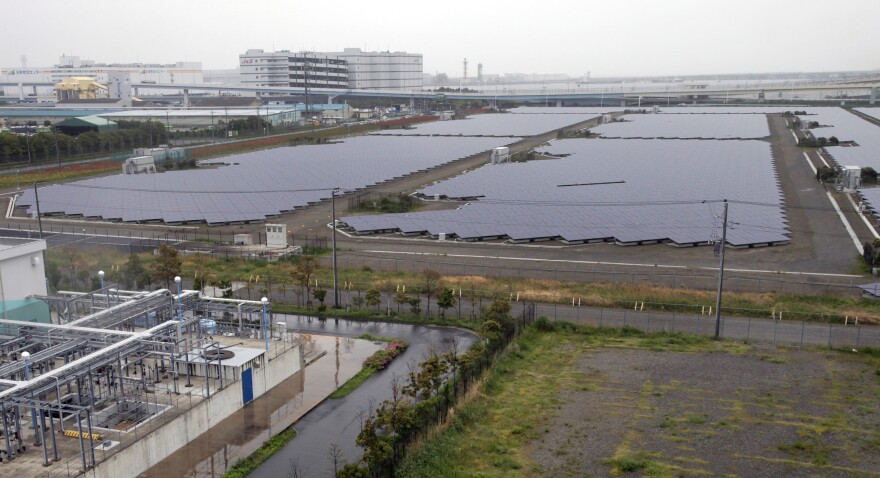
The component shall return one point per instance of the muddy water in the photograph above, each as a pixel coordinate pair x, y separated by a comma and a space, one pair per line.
236, 437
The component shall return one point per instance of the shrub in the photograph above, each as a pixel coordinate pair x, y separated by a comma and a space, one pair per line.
544, 325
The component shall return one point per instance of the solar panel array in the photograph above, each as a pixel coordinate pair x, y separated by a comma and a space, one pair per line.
846, 126
692, 126
256, 185
660, 198
562, 110
872, 112
496, 125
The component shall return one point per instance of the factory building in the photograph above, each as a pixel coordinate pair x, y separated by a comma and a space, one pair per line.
382, 70
103, 73
351, 68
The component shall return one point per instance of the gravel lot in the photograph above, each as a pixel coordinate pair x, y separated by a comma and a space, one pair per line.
765, 412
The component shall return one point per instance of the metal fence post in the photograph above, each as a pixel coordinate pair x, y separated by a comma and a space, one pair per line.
803, 326
830, 327
775, 326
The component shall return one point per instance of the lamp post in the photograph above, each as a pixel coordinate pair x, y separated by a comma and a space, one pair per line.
180, 332
333, 225
101, 276
179, 310
265, 302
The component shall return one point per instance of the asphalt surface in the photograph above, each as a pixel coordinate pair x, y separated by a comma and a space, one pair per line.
339, 420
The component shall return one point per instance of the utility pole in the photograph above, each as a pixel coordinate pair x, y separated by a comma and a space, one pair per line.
333, 225
39, 219
720, 272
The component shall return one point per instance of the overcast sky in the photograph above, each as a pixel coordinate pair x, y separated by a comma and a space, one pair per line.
606, 38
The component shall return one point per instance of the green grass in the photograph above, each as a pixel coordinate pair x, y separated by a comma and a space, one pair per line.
635, 462
354, 382
375, 338
245, 466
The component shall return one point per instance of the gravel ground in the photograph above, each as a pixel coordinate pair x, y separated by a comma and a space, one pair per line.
764, 413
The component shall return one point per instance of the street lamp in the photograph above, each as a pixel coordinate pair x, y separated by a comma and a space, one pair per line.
179, 310
101, 275
333, 193
265, 302
180, 332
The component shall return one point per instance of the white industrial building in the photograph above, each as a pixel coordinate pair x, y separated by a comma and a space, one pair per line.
180, 72
351, 68
22, 276
382, 70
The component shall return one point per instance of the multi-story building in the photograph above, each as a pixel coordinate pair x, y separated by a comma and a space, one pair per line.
351, 68
292, 69
382, 70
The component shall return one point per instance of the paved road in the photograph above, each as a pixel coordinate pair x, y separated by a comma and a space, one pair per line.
339, 420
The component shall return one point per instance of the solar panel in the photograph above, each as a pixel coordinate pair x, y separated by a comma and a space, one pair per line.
253, 186
860, 139
654, 192
686, 126
496, 125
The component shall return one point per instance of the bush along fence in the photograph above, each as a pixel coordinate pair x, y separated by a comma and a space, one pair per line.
423, 399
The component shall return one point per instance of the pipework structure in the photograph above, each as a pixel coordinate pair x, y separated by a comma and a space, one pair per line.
114, 365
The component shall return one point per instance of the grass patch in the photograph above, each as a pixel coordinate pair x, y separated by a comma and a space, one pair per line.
378, 361
635, 462
808, 449
354, 382
245, 466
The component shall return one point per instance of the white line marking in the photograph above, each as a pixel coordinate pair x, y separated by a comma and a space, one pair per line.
862, 215
470, 256
822, 158
795, 137
846, 223
807, 157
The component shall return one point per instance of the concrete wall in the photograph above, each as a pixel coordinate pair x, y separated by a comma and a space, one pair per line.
158, 445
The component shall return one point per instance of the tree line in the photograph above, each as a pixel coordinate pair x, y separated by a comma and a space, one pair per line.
45, 145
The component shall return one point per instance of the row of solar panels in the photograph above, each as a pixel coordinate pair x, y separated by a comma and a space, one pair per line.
716, 126
255, 185
630, 191
846, 126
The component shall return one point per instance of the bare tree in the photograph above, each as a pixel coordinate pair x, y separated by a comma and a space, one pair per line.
430, 283
336, 457
294, 471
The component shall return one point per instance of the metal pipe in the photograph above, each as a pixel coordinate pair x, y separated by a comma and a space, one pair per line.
6, 431
91, 436
43, 438
82, 446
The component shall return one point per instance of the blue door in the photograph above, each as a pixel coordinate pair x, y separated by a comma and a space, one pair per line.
247, 386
